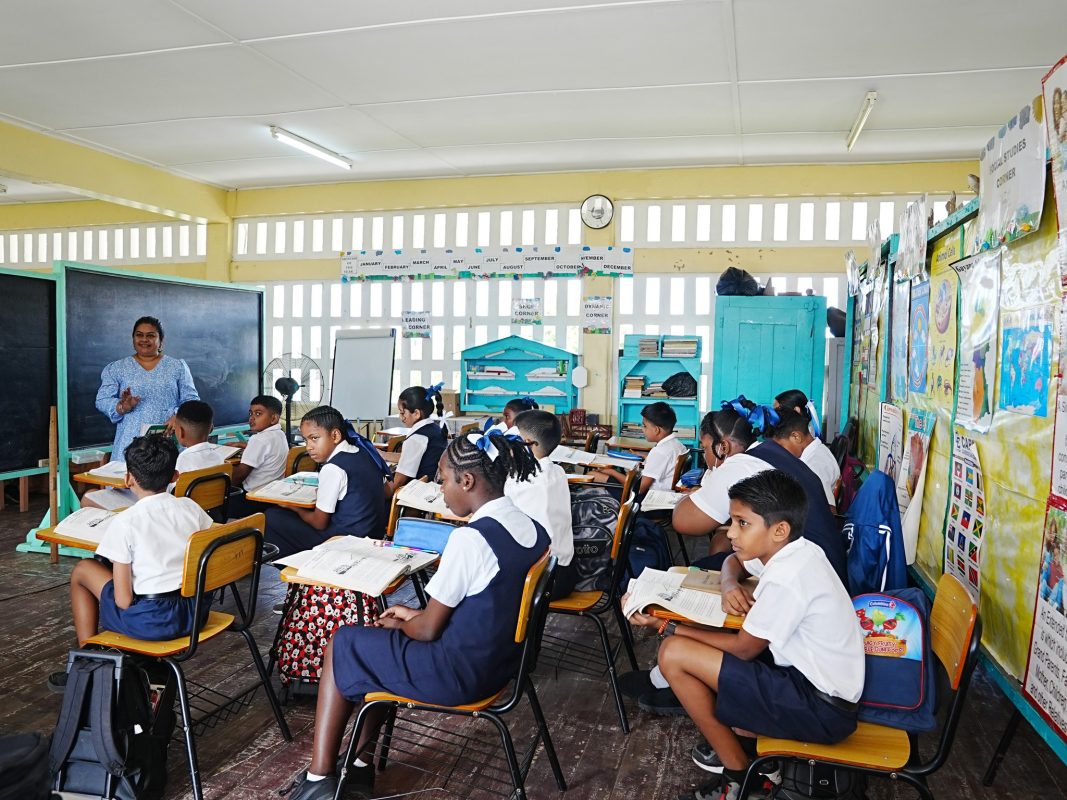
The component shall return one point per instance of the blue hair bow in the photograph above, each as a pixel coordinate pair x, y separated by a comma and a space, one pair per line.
363, 443
528, 400
760, 417
816, 428
484, 442
432, 390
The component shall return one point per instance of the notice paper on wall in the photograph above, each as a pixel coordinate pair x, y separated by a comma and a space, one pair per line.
1054, 88
898, 340
941, 354
1059, 439
912, 478
527, 311
911, 258
596, 314
918, 337
1026, 360
979, 304
965, 527
416, 324
890, 440
1046, 665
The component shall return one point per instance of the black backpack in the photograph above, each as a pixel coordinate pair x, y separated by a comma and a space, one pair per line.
24, 767
594, 514
110, 740
801, 780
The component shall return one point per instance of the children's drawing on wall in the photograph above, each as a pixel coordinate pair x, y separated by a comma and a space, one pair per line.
965, 526
919, 337
898, 341
912, 479
1048, 643
890, 440
1026, 361
942, 349
979, 302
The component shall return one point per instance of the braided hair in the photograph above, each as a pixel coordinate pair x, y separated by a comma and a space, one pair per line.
329, 419
420, 398
514, 459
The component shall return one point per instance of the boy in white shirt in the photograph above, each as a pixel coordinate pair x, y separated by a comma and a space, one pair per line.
657, 421
139, 593
264, 457
193, 422
545, 495
795, 669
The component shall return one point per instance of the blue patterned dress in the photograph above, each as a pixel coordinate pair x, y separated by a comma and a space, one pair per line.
161, 390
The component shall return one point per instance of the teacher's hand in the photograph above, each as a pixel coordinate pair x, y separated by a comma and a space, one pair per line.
127, 401
170, 425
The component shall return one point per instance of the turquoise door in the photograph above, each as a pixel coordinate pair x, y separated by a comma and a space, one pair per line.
765, 345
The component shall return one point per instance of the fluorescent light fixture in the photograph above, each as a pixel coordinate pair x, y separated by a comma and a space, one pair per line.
309, 147
861, 119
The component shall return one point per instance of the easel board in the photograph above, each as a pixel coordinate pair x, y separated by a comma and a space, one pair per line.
362, 387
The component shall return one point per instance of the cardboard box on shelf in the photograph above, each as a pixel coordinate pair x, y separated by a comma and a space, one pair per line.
450, 400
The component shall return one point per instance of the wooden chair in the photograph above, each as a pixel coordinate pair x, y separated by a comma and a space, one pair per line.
632, 482
596, 604
299, 460
395, 443
680, 464
592, 441
528, 630
208, 487
470, 427
955, 633
216, 558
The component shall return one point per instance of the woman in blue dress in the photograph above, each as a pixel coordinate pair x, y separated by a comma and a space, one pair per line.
145, 388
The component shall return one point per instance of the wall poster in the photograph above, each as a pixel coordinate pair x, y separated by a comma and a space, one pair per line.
919, 337
1054, 90
890, 440
979, 303
1026, 360
912, 479
911, 257
899, 323
942, 349
965, 526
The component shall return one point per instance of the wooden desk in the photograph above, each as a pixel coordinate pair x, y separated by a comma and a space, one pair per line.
280, 502
733, 622
99, 480
635, 445
391, 458
49, 535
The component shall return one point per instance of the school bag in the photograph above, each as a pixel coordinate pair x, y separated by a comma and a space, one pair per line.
876, 560
801, 780
24, 767
594, 514
899, 687
112, 735
648, 548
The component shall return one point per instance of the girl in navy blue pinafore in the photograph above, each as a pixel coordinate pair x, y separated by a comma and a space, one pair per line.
350, 500
426, 439
462, 647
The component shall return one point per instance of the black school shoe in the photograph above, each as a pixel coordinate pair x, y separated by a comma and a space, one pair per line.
662, 703
636, 683
708, 760
358, 786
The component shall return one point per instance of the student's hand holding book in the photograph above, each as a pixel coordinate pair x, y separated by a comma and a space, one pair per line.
736, 598
637, 619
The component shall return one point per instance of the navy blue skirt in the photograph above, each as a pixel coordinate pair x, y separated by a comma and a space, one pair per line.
154, 620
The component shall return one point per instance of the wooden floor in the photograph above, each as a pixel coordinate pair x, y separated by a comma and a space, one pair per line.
246, 758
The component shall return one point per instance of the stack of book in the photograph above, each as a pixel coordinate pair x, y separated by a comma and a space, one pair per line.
648, 348
655, 390
680, 348
632, 430
633, 386
685, 432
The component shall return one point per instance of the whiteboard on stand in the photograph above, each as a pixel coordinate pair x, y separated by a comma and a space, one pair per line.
362, 387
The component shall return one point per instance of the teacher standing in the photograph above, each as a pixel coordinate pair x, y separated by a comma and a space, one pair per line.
143, 389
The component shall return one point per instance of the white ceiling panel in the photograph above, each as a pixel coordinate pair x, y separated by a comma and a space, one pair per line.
251, 19
930, 144
32, 31
215, 81
988, 98
626, 113
344, 130
829, 38
293, 170
630, 46
594, 154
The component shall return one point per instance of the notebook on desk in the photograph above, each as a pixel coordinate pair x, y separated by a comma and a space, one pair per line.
360, 565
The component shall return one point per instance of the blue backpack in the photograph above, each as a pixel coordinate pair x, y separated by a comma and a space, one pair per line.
876, 555
899, 685
648, 548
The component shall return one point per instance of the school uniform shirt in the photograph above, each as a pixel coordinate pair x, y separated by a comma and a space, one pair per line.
712, 497
151, 537
265, 453
350, 490
660, 462
468, 563
822, 462
198, 456
705, 479
807, 618
422, 449
546, 498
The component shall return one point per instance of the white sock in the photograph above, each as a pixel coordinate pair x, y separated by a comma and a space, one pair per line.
361, 763
313, 778
657, 678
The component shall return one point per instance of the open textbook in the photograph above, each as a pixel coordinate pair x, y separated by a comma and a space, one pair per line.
659, 500
112, 469
87, 524
568, 455
361, 565
657, 588
423, 496
286, 491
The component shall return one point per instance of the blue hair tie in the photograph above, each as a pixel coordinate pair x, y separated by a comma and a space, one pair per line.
356, 438
816, 428
763, 417
432, 390
528, 400
484, 442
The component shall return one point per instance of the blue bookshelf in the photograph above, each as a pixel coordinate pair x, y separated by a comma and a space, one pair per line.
499, 371
656, 358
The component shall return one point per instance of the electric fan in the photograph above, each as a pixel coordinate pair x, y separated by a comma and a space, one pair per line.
298, 381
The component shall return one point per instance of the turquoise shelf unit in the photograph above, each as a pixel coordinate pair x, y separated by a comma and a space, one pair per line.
499, 371
765, 345
656, 369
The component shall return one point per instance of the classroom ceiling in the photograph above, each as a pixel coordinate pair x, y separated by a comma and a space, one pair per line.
427, 88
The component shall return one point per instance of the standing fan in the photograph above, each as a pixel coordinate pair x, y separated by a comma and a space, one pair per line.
298, 381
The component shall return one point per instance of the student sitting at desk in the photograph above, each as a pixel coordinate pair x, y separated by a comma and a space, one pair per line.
263, 459
426, 438
511, 410
462, 647
811, 449
657, 421
138, 595
795, 670
545, 495
350, 499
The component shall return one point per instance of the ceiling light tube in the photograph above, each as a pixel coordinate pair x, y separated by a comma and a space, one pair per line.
309, 147
861, 119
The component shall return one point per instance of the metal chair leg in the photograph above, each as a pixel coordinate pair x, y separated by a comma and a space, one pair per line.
546, 738
1002, 748
350, 754
918, 782
387, 739
681, 548
264, 678
187, 728
509, 753
627, 636
613, 677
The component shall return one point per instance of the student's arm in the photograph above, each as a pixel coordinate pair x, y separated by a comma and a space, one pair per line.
315, 517
399, 479
646, 484
240, 472
736, 598
333, 483
689, 519
611, 472
421, 625
122, 577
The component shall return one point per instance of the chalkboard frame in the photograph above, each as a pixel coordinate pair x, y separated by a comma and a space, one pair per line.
62, 270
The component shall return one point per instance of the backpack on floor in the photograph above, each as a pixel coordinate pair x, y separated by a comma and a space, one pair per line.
594, 514
648, 548
24, 767
110, 742
801, 780
311, 616
899, 686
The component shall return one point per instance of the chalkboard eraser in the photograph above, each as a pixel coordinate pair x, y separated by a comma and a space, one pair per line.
44, 462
